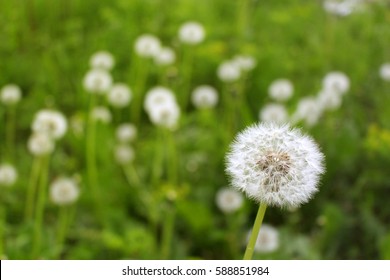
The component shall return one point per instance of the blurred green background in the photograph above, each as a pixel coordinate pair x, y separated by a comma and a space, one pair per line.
45, 47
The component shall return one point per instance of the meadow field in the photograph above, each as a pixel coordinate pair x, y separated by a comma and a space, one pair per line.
117, 117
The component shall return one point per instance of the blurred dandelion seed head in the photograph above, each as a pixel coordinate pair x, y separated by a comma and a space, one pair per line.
64, 191
40, 144
244, 62
229, 200
126, 133
275, 164
101, 114
147, 45
50, 122
328, 100
267, 240
97, 81
308, 110
336, 81
166, 56
102, 60
10, 94
228, 71
8, 175
119, 95
191, 33
281, 90
384, 71
124, 154
204, 96
276, 113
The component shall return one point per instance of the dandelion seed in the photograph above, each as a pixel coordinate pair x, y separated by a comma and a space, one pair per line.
126, 132
275, 165
40, 144
64, 191
119, 95
166, 56
102, 60
147, 45
77, 125
165, 115
228, 71
8, 175
267, 240
276, 113
101, 114
97, 81
328, 100
229, 200
191, 33
204, 96
281, 90
384, 71
336, 81
50, 122
124, 154
244, 62
10, 94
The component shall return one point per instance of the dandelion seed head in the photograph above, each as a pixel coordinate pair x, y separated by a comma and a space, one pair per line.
40, 144
8, 175
275, 164
64, 191
191, 33
244, 62
97, 81
275, 113
124, 154
281, 90
119, 95
329, 100
166, 56
268, 239
102, 60
147, 45
228, 71
50, 122
126, 132
229, 200
157, 96
336, 81
308, 110
101, 114
165, 115
10, 94
384, 71
204, 96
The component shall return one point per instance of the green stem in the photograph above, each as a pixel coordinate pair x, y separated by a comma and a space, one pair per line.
167, 233
131, 175
187, 65
158, 159
3, 223
140, 81
39, 213
63, 223
255, 232
11, 132
32, 188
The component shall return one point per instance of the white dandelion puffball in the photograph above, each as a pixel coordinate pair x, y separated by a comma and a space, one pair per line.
165, 115
147, 45
64, 191
40, 144
124, 154
228, 71
268, 239
245, 62
126, 132
204, 96
281, 90
157, 96
229, 200
308, 110
102, 60
50, 122
101, 114
97, 81
275, 165
384, 71
276, 113
191, 33
329, 100
337, 8
119, 95
336, 81
10, 94
166, 56
8, 175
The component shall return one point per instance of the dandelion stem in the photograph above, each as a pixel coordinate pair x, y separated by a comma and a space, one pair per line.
11, 132
3, 222
39, 212
140, 81
63, 223
255, 232
167, 233
32, 188
188, 59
